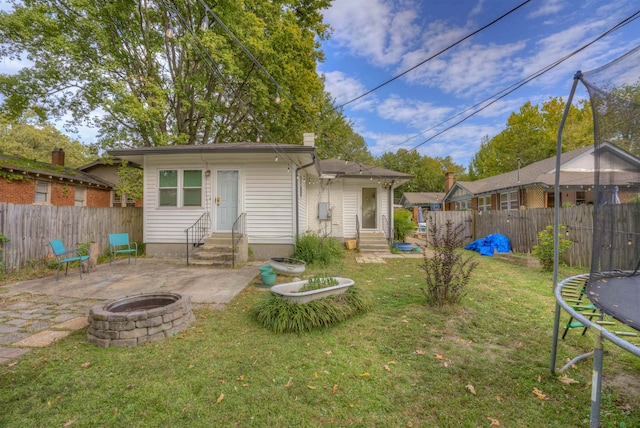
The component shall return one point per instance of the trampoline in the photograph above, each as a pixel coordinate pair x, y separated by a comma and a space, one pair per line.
606, 301
618, 297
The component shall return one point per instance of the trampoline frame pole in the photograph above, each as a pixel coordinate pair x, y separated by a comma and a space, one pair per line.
556, 220
596, 381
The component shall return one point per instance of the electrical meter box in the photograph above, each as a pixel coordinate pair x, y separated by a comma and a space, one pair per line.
323, 211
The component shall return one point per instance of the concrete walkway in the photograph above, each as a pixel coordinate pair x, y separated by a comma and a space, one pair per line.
37, 312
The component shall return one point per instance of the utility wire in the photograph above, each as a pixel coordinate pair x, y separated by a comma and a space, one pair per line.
435, 55
544, 70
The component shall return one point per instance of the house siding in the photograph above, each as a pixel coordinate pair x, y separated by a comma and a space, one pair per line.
350, 211
168, 224
269, 205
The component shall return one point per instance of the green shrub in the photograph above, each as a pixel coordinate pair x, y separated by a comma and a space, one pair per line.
544, 250
402, 224
321, 251
281, 316
319, 281
447, 270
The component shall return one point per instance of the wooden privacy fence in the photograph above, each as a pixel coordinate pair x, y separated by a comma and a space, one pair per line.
522, 228
29, 229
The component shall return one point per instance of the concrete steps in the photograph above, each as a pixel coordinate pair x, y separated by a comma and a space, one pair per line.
217, 251
373, 242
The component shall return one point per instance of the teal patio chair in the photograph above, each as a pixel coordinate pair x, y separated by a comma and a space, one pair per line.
119, 244
67, 256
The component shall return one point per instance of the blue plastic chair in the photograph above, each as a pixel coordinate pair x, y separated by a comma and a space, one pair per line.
67, 256
119, 244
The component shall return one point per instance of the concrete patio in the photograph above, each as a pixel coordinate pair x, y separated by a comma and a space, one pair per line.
37, 312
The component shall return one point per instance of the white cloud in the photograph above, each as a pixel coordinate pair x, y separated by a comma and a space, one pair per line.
373, 29
548, 7
345, 88
413, 113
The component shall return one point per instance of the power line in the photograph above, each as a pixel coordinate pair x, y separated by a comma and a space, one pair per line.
522, 82
435, 55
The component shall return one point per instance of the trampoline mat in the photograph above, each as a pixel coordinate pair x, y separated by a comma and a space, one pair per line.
618, 297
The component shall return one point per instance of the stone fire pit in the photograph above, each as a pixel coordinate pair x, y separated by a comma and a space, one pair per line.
133, 320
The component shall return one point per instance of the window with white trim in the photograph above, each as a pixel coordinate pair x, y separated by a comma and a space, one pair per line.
180, 188
509, 200
192, 188
484, 203
80, 197
42, 192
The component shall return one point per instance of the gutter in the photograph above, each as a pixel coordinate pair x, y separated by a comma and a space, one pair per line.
313, 162
391, 212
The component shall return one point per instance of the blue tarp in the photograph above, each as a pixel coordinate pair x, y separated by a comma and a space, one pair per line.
486, 246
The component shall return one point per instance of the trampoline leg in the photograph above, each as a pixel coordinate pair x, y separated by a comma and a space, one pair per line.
554, 344
596, 382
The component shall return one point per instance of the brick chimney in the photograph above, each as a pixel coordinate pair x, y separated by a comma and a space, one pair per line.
57, 157
449, 179
309, 139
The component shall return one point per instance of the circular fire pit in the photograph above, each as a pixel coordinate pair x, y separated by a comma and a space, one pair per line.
137, 319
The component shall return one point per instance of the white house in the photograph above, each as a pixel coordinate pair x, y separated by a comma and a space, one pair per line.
273, 193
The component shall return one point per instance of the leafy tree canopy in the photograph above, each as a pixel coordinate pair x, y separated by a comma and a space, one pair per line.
159, 76
37, 141
429, 173
531, 136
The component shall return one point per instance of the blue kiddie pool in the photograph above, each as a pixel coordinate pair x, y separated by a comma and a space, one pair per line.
403, 246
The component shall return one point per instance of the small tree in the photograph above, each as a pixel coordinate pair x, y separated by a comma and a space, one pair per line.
402, 224
544, 250
447, 270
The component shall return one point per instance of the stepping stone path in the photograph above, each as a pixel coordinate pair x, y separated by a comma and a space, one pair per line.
34, 320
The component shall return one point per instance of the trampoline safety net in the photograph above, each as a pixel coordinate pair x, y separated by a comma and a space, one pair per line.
614, 284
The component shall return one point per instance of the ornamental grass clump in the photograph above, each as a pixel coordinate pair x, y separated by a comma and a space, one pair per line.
281, 316
447, 270
319, 251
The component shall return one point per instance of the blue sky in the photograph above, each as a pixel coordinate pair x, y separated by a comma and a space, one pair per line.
375, 40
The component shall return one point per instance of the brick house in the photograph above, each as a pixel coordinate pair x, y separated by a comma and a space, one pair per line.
24, 181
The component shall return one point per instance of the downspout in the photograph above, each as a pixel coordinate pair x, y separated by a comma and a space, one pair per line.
391, 212
297, 202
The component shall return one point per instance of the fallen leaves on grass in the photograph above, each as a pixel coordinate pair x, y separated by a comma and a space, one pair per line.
420, 352
365, 374
540, 394
387, 368
471, 389
288, 384
334, 389
85, 365
329, 352
438, 356
494, 422
220, 398
311, 387
69, 423
567, 380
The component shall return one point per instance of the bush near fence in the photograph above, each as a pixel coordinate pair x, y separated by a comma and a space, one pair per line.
522, 228
29, 229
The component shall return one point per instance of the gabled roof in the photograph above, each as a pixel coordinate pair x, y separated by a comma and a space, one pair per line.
576, 169
416, 199
343, 168
33, 169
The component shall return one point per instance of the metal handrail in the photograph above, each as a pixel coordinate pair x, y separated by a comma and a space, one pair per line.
237, 232
197, 231
386, 228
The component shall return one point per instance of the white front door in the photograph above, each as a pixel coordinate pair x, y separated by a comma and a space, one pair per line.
226, 199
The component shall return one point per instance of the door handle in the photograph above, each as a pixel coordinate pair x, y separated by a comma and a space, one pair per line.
217, 200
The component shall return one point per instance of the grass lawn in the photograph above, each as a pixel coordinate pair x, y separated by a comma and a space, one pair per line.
483, 363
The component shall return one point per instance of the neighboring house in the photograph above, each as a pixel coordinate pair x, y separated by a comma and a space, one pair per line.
24, 181
423, 201
533, 185
108, 171
278, 191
